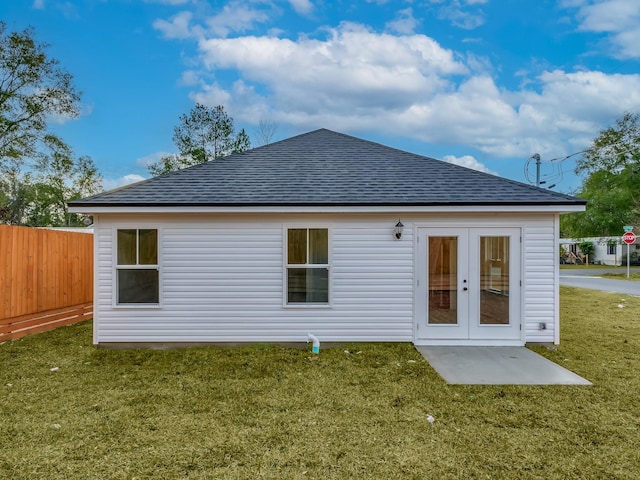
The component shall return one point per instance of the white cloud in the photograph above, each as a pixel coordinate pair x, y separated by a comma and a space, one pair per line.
303, 7
355, 79
468, 161
190, 78
147, 160
212, 95
620, 18
169, 2
461, 17
111, 183
572, 3
177, 27
351, 69
410, 86
608, 15
404, 23
59, 119
235, 17
576, 104
38, 4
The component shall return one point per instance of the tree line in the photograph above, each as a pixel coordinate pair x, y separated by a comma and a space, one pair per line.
610, 169
205, 134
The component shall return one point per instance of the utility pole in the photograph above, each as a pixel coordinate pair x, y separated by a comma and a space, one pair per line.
536, 157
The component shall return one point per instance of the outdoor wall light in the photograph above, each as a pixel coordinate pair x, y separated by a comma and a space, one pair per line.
398, 230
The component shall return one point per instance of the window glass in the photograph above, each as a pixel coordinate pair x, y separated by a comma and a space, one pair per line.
297, 285
308, 285
317, 285
307, 265
127, 247
137, 267
148, 247
297, 246
138, 286
318, 246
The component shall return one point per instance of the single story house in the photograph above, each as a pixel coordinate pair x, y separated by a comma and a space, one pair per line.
329, 235
606, 251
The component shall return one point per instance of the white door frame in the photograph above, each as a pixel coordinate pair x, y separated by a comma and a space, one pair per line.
468, 331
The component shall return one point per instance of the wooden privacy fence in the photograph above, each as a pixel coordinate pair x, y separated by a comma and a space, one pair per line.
46, 279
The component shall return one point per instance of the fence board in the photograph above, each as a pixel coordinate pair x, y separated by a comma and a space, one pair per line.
5, 285
43, 270
18, 327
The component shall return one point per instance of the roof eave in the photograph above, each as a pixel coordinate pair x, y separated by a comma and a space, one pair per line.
556, 207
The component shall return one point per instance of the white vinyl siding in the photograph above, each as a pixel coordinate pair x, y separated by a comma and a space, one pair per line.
223, 278
540, 280
223, 282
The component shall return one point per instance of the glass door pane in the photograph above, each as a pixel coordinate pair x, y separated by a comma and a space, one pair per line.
494, 280
443, 281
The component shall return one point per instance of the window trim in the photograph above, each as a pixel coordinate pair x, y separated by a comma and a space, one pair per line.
286, 266
116, 267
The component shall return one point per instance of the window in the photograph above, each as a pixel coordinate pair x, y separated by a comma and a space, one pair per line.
611, 248
137, 277
307, 260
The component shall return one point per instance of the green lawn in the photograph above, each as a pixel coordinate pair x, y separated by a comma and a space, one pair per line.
593, 267
633, 276
277, 413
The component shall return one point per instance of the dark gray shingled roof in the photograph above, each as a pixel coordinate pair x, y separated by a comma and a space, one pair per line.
326, 168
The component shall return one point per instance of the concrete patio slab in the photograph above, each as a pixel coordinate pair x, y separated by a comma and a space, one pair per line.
496, 366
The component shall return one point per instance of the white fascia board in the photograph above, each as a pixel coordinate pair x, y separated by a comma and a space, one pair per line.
333, 209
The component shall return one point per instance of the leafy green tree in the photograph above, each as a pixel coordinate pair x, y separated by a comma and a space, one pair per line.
15, 193
39, 197
587, 248
611, 185
202, 135
33, 88
59, 178
38, 174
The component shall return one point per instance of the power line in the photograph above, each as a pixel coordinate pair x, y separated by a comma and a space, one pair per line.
559, 160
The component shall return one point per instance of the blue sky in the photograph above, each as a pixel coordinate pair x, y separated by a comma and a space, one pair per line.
481, 83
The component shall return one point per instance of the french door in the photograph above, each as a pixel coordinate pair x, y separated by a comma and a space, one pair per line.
468, 285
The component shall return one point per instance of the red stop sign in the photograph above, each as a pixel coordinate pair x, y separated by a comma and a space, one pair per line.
629, 238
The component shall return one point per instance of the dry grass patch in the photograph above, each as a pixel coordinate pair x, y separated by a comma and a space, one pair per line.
634, 275
270, 412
